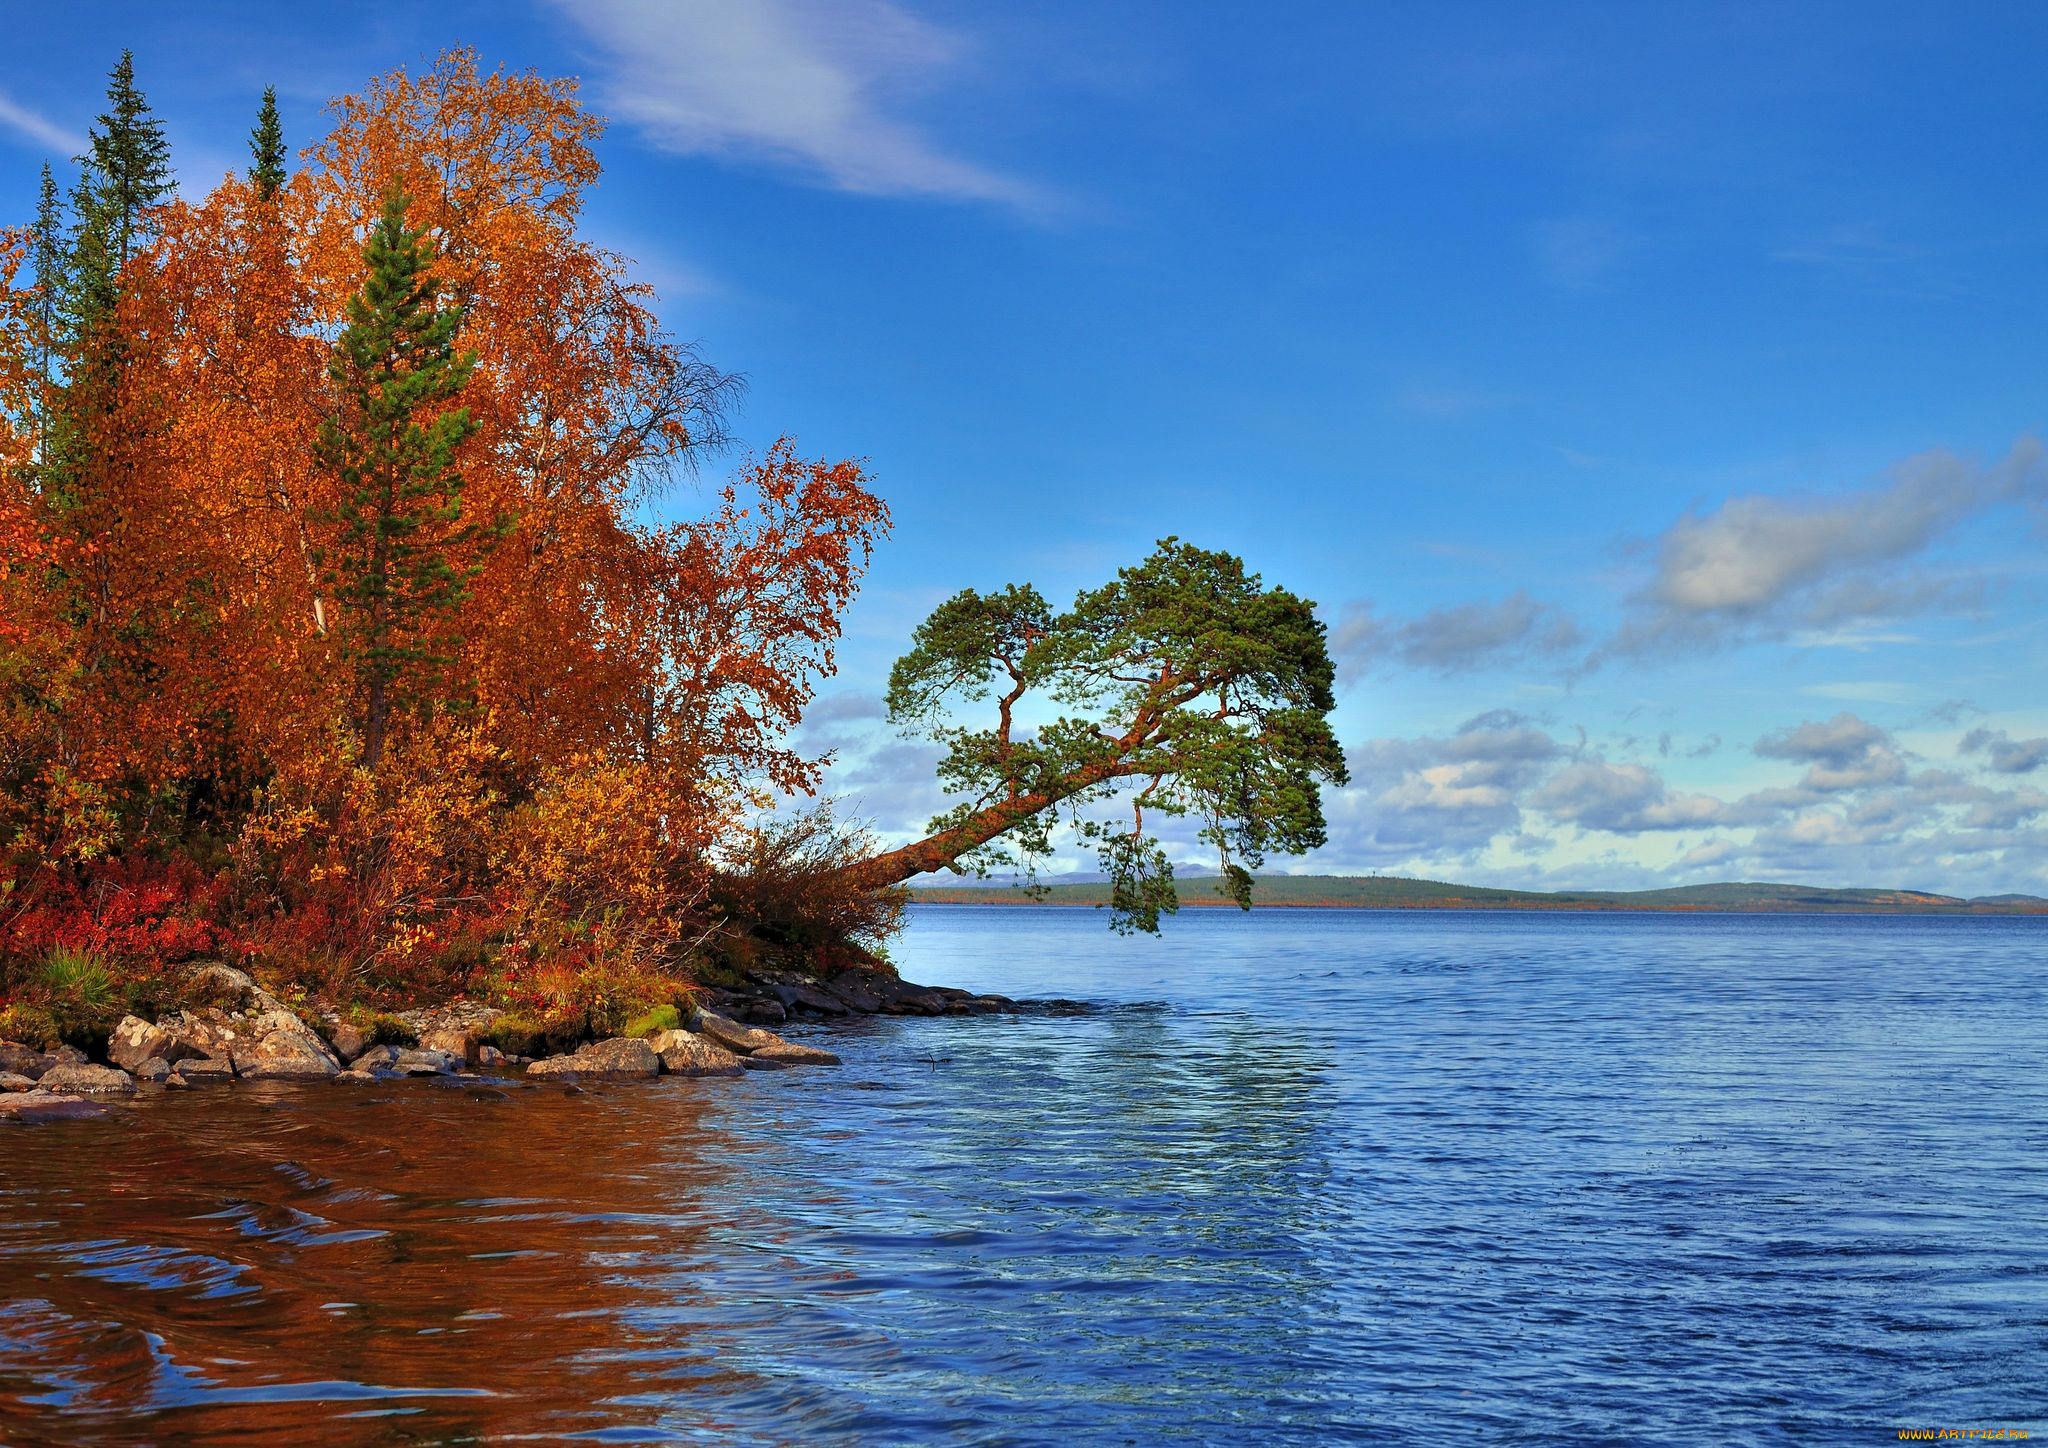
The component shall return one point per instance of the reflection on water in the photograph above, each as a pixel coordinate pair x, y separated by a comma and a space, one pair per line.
1311, 1176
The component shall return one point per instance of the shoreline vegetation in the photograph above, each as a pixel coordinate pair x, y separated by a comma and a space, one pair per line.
344, 672
1391, 892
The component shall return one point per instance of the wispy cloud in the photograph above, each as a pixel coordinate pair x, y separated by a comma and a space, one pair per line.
815, 85
1466, 636
1581, 252
33, 126
1763, 566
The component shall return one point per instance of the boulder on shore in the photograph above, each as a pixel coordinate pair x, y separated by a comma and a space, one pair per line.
740, 1040
12, 1081
621, 1058
135, 1041
281, 1047
23, 1060
684, 1054
87, 1080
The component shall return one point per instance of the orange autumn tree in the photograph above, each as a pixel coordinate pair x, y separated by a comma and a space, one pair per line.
609, 698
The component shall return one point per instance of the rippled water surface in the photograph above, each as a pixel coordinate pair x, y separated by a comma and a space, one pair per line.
1308, 1177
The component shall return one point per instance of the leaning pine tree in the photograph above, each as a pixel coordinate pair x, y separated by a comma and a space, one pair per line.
401, 555
1183, 688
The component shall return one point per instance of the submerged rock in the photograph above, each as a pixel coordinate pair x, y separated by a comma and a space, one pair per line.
43, 1106
201, 1071
87, 1080
684, 1054
788, 1053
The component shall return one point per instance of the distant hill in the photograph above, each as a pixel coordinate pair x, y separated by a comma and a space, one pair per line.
1389, 892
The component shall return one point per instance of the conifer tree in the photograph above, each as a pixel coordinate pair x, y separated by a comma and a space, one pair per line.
125, 176
47, 255
266, 144
402, 555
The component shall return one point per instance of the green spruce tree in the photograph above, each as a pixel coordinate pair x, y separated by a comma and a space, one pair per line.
402, 555
46, 253
266, 144
125, 175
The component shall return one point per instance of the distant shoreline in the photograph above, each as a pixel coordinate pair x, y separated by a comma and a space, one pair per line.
1380, 892
1009, 899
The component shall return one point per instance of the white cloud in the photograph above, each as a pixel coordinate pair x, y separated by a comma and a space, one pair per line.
1841, 753
813, 84
2007, 754
34, 126
1771, 566
1624, 799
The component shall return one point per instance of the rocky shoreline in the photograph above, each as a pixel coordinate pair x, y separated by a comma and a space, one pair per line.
248, 1034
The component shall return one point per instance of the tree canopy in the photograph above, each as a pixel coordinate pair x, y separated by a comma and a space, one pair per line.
1182, 688
348, 607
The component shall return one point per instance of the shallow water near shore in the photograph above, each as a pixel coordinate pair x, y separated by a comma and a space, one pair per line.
1305, 1177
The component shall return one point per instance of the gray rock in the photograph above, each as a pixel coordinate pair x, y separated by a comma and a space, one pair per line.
622, 1058
68, 1056
762, 1063
738, 1039
425, 1061
684, 1054
377, 1058
348, 1041
201, 1071
135, 1041
284, 1048
23, 1061
854, 987
206, 1032
13, 1081
156, 1070
795, 994
354, 1077
43, 1106
86, 1080
232, 989
619, 1059
555, 1068
791, 1054
490, 1058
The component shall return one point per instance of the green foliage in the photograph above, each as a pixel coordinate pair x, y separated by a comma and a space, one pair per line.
383, 1028
266, 147
1182, 688
790, 895
402, 556
80, 996
516, 1035
652, 1022
29, 1025
126, 175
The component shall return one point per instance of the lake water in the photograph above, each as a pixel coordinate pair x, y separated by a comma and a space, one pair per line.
1307, 1177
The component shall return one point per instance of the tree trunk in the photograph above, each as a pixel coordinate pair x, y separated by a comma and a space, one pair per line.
935, 852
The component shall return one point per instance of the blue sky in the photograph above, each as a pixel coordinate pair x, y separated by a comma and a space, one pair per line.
1649, 394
